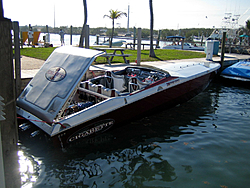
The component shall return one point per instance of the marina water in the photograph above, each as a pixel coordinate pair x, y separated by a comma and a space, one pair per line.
202, 143
55, 40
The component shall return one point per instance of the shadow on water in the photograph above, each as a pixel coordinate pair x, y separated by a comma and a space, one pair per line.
128, 156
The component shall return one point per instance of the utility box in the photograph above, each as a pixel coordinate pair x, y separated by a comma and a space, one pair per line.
216, 47
209, 47
216, 44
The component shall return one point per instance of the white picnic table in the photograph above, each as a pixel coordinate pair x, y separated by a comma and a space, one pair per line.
110, 56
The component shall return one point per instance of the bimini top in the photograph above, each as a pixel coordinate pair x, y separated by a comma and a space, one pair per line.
57, 79
238, 70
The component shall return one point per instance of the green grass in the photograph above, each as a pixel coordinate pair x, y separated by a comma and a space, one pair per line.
162, 54
39, 53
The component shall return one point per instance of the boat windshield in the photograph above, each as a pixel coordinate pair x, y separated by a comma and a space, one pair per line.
144, 69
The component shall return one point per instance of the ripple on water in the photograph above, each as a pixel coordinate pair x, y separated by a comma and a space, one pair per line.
202, 143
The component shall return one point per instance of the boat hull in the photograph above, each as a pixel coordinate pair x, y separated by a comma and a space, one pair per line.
116, 43
164, 99
179, 47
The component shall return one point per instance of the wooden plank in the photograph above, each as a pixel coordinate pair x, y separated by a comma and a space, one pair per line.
17, 58
9, 128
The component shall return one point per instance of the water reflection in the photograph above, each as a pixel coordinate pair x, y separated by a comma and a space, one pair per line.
29, 169
128, 167
134, 155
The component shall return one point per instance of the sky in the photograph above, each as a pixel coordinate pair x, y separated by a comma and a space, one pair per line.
175, 14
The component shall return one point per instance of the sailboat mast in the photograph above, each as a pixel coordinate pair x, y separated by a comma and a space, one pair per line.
128, 21
54, 16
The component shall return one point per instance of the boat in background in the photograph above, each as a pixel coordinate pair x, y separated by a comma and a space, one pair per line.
217, 34
199, 39
67, 108
239, 71
177, 44
114, 43
186, 46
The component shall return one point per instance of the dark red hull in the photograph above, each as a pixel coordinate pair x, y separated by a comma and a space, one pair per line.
161, 100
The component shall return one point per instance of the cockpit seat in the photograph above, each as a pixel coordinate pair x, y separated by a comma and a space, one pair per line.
133, 84
114, 81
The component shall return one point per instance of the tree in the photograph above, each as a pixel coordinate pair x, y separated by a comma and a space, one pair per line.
145, 33
151, 53
84, 24
114, 14
248, 24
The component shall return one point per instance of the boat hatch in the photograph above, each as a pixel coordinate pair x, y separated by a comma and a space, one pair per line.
57, 80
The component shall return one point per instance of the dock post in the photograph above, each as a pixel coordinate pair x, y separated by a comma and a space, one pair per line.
222, 50
9, 129
201, 38
71, 31
21, 39
97, 39
2, 177
134, 38
18, 81
87, 36
139, 47
182, 43
47, 35
158, 39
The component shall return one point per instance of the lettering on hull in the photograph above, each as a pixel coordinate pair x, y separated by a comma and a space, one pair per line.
100, 126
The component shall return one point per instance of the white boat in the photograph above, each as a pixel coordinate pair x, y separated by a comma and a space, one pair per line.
217, 34
186, 46
177, 44
65, 107
199, 39
114, 43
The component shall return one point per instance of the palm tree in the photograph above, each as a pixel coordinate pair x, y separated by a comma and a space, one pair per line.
114, 14
151, 53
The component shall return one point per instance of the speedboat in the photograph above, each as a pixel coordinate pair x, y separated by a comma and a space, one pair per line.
238, 71
67, 107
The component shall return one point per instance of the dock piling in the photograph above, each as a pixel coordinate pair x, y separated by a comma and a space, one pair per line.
8, 127
139, 47
71, 31
18, 82
223, 50
86, 36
